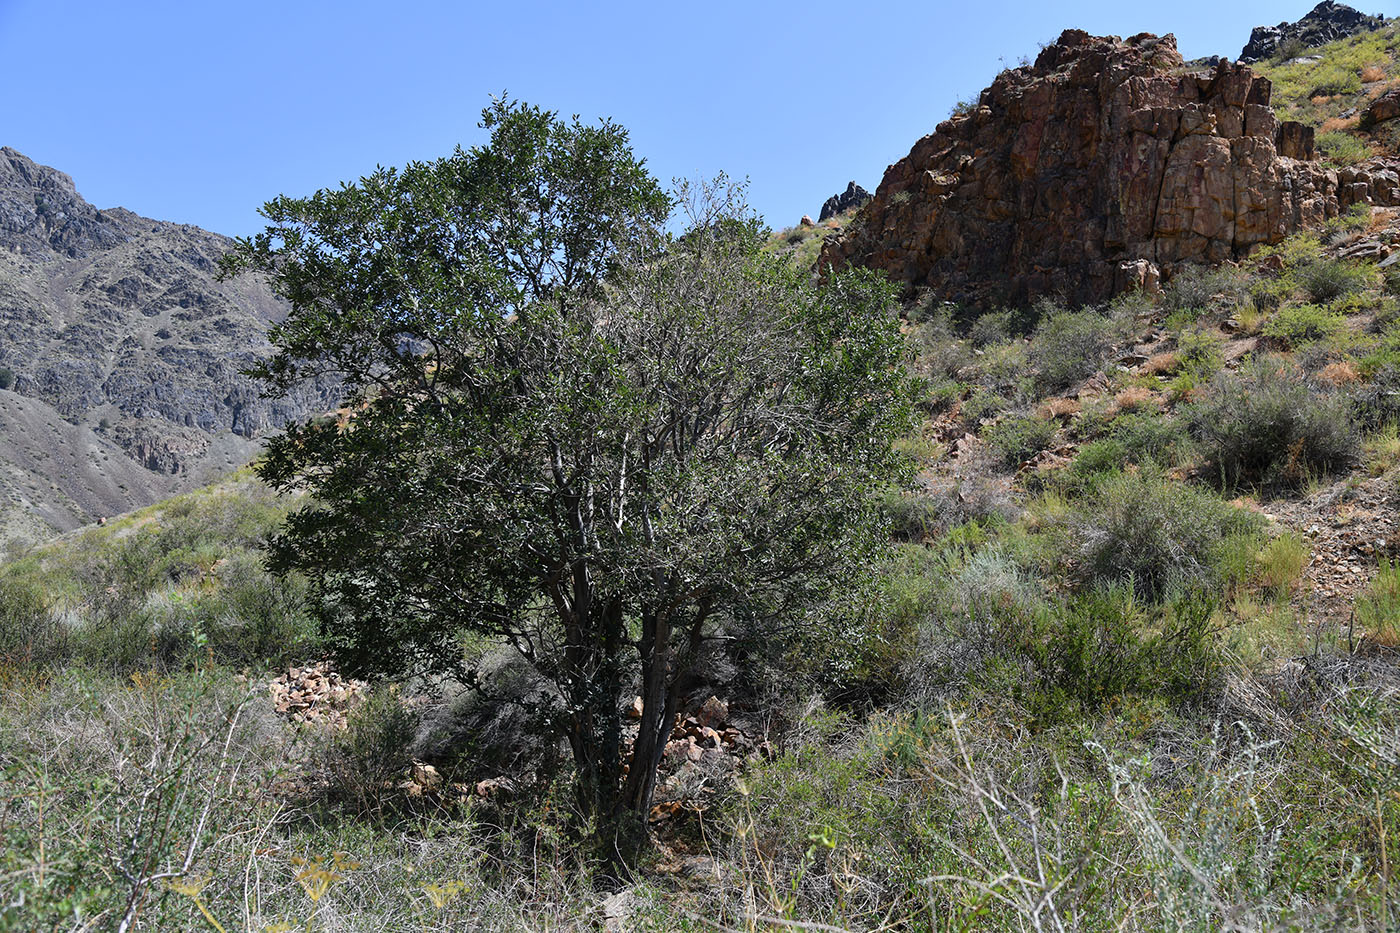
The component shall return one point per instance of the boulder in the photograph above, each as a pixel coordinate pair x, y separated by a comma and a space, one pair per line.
1383, 108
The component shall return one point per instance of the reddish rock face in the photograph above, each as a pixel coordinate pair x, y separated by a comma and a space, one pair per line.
1073, 172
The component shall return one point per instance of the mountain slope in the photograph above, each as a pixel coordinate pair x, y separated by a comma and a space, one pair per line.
118, 339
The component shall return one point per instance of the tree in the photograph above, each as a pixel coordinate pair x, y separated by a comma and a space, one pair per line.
569, 430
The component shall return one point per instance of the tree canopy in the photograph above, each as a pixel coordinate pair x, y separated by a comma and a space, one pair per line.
568, 429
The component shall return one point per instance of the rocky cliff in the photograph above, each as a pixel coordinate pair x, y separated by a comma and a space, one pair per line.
119, 341
1106, 164
1327, 22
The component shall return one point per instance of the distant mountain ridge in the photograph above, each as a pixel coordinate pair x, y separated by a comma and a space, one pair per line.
120, 340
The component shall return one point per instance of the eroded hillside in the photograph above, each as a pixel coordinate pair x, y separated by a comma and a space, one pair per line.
116, 339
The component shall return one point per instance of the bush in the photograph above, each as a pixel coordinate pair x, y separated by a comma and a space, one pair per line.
1100, 646
1378, 401
7, 378
994, 327
1070, 346
1151, 437
1378, 608
1264, 424
1016, 440
981, 405
940, 396
1106, 455
362, 762
1005, 368
1199, 353
1326, 280
981, 598
30, 635
1342, 148
1293, 327
1144, 530
912, 517
1196, 290
992, 626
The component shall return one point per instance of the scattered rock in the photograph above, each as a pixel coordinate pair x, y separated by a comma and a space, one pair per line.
806, 221
714, 712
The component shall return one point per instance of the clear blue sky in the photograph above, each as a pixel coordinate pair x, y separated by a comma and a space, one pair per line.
199, 112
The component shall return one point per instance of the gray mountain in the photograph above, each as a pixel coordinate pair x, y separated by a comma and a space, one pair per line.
120, 357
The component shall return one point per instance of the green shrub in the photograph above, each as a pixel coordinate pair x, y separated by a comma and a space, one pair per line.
1199, 352
30, 633
1151, 437
989, 625
1015, 440
1106, 455
1295, 326
981, 405
1004, 367
941, 395
911, 517
1100, 646
361, 763
7, 378
1144, 530
1342, 148
1378, 608
1326, 280
1264, 424
1070, 346
990, 328
1196, 290
1378, 401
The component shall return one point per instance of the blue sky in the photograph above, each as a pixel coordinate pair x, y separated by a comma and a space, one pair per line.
199, 112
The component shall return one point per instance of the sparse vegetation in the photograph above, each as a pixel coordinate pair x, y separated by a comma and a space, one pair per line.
1092, 668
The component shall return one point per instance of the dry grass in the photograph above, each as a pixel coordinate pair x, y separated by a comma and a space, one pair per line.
1061, 408
1372, 73
1340, 373
1137, 398
1161, 364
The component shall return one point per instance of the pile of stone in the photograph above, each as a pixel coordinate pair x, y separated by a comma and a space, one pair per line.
707, 730
704, 748
315, 694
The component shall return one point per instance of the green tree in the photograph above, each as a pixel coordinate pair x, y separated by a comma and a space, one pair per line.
600, 443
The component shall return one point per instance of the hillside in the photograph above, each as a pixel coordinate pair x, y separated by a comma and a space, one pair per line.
1121, 652
121, 357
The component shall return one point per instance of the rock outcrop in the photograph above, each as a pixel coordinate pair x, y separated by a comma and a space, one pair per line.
1098, 168
116, 325
853, 197
1327, 22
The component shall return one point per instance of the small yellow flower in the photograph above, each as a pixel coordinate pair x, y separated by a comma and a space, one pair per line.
189, 886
